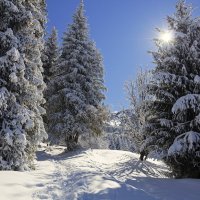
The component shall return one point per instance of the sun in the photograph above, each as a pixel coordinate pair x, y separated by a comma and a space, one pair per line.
166, 36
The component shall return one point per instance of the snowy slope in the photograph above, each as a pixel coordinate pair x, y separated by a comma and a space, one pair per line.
95, 175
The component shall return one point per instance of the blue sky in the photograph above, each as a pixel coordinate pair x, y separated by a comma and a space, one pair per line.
123, 31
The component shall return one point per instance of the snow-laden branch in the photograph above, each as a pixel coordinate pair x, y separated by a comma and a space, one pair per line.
190, 101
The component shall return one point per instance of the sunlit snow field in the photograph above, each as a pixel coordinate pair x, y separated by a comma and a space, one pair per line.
95, 175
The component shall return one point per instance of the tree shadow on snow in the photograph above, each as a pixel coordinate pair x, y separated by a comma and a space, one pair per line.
134, 168
43, 155
96, 186
123, 181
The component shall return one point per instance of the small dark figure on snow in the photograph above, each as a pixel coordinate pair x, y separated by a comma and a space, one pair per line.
143, 155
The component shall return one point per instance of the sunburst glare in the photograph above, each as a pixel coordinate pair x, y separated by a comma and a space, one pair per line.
166, 36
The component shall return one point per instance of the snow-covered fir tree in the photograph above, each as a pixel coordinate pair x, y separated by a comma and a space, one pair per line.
14, 117
173, 122
32, 38
75, 108
50, 55
21, 126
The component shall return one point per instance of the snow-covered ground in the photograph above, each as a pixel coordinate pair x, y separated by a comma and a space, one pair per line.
95, 175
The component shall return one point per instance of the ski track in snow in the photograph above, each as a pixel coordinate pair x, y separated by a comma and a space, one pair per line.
111, 175
95, 175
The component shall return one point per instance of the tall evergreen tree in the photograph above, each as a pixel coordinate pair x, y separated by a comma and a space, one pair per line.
75, 107
50, 55
21, 32
173, 117
32, 38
